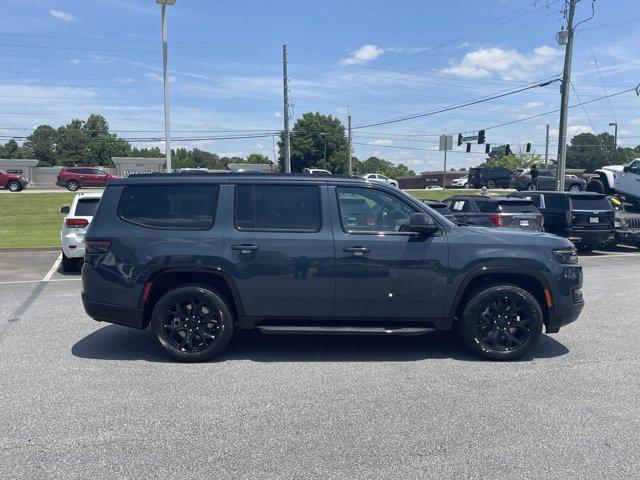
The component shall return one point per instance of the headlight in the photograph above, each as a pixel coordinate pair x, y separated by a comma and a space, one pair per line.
567, 255
617, 224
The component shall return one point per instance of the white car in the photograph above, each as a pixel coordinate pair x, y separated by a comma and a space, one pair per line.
462, 182
316, 171
74, 227
376, 177
434, 187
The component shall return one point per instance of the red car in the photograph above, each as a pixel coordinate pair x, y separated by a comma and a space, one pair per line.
12, 181
73, 178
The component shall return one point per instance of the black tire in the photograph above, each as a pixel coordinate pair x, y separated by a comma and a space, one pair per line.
467, 186
585, 247
501, 322
70, 264
491, 184
530, 187
212, 324
596, 185
576, 187
73, 186
14, 186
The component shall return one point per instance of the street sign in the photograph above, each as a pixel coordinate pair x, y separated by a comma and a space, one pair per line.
446, 142
470, 138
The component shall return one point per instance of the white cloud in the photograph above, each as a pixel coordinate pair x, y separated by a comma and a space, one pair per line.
384, 142
363, 54
572, 130
533, 104
507, 64
74, 61
60, 15
277, 114
635, 121
158, 77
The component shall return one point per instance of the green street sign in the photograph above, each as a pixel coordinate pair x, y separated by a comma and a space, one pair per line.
469, 139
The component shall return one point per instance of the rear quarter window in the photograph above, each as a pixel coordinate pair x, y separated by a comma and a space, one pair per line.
185, 207
585, 203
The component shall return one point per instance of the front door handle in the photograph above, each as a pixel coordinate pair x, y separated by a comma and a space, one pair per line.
356, 250
245, 248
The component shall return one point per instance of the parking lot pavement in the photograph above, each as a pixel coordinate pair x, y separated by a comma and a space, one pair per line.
82, 399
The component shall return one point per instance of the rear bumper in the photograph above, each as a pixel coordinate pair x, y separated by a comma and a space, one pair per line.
105, 312
593, 237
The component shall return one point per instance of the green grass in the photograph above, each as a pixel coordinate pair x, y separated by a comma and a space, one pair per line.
31, 219
34, 219
440, 195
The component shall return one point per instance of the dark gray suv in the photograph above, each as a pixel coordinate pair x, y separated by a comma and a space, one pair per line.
197, 256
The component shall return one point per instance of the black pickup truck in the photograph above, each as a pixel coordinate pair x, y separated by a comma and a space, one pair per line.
585, 218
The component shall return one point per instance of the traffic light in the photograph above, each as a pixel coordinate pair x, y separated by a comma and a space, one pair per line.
481, 136
507, 149
487, 148
468, 147
528, 147
459, 139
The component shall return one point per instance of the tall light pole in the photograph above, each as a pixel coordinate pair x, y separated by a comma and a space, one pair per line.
287, 133
615, 148
564, 103
165, 56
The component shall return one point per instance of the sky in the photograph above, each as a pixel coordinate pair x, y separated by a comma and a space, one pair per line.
379, 60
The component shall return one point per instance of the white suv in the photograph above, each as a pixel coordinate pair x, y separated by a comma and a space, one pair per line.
74, 227
376, 177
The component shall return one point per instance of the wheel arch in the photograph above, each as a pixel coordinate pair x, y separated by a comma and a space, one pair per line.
166, 279
530, 280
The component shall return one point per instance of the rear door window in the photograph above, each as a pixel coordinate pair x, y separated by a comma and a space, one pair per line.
487, 207
277, 208
185, 207
458, 205
86, 207
518, 207
368, 210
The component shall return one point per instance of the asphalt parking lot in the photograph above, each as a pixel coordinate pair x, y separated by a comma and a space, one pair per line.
82, 399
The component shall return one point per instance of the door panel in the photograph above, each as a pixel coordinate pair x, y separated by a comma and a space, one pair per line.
279, 273
394, 274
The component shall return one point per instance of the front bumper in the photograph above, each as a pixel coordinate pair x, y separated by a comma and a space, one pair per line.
567, 298
105, 312
630, 237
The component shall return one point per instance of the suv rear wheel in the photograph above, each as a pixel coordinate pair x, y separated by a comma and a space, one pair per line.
192, 323
501, 322
72, 185
491, 184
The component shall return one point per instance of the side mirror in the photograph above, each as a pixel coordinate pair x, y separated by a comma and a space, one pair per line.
625, 168
422, 223
65, 210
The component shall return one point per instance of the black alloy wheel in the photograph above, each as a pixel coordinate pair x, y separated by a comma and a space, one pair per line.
192, 323
491, 184
501, 322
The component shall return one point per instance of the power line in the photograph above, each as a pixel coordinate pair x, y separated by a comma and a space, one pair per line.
454, 107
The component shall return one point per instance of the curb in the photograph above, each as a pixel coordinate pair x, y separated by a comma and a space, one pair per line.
29, 249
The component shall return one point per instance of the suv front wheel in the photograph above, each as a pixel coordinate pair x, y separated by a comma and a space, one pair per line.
192, 323
501, 322
72, 185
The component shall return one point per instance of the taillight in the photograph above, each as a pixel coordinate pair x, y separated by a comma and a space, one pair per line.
520, 175
542, 221
77, 222
96, 246
496, 220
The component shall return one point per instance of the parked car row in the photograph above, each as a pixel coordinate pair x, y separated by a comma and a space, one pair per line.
500, 177
587, 219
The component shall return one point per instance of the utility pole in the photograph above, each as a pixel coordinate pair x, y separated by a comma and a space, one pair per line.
349, 141
546, 149
165, 59
325, 151
285, 82
444, 170
564, 103
615, 151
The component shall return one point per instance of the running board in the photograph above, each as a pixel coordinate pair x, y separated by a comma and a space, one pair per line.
347, 330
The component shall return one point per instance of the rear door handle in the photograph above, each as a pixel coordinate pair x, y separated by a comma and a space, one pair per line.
245, 248
356, 249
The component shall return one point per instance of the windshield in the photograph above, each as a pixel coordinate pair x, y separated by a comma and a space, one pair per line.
518, 207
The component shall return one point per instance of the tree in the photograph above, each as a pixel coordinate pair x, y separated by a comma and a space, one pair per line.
378, 165
11, 149
498, 158
589, 151
308, 139
258, 158
42, 142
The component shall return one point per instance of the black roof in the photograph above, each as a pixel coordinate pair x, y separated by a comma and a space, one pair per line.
190, 177
555, 192
433, 203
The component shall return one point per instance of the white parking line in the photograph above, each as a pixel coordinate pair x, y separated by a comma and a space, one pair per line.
610, 255
41, 281
54, 269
